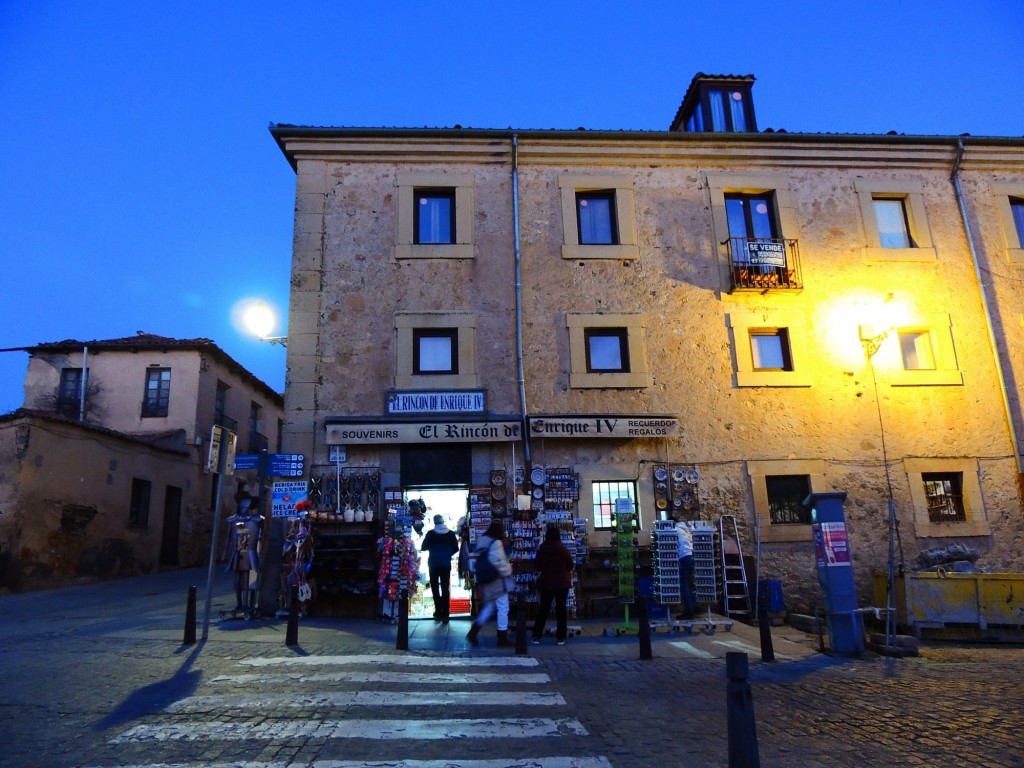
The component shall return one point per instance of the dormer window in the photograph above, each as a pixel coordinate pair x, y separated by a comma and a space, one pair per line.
717, 104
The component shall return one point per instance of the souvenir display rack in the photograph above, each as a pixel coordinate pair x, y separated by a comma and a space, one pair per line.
398, 574
625, 556
705, 563
665, 563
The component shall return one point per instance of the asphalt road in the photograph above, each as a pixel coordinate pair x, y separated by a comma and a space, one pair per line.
98, 676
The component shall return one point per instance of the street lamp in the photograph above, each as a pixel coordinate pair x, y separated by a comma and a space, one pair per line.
872, 342
260, 319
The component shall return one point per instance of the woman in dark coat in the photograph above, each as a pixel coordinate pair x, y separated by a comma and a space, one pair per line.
554, 564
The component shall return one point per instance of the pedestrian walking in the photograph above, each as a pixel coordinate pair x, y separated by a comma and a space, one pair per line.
493, 573
442, 545
554, 565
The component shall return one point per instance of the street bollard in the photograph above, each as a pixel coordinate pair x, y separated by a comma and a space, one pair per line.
291, 635
402, 641
643, 629
743, 751
521, 647
764, 628
190, 618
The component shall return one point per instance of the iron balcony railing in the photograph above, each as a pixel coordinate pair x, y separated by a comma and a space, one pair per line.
764, 264
257, 442
225, 421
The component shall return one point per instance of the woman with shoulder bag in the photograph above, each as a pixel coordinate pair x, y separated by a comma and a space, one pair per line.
494, 582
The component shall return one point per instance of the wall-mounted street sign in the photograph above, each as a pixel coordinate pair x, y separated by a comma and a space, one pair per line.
246, 461
621, 427
763, 253
450, 401
220, 436
286, 465
387, 432
338, 454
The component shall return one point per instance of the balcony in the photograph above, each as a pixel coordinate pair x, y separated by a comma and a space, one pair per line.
764, 264
257, 443
225, 421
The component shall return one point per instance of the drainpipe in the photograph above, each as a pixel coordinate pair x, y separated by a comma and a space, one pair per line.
955, 177
519, 297
85, 383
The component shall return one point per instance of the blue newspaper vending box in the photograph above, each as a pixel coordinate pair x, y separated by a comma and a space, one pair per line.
835, 572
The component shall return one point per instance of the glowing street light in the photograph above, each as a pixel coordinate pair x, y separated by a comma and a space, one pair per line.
260, 319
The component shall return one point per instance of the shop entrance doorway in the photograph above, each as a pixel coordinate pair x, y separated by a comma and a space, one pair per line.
453, 506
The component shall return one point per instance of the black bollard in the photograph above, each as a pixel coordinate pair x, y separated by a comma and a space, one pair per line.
743, 751
764, 628
521, 647
190, 618
644, 628
291, 635
402, 641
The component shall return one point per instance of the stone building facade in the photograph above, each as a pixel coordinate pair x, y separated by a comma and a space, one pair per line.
781, 313
119, 482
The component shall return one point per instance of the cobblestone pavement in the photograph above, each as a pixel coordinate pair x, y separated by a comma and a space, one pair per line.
98, 676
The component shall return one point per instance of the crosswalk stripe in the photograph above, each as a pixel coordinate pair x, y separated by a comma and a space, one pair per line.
537, 762
685, 646
355, 676
398, 661
369, 699
377, 730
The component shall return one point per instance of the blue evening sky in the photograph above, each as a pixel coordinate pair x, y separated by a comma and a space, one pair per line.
141, 190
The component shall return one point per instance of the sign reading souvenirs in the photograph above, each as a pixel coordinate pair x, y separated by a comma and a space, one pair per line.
764, 253
622, 427
386, 432
453, 401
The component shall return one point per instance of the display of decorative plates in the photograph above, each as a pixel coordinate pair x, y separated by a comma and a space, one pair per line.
497, 477
692, 476
498, 493
538, 493
661, 487
538, 476
660, 474
677, 475
498, 508
677, 502
661, 503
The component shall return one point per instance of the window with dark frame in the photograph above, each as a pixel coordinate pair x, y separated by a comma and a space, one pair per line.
220, 403
1017, 211
434, 216
596, 218
435, 351
604, 494
69, 392
892, 222
751, 216
945, 494
157, 397
770, 349
786, 494
607, 350
138, 510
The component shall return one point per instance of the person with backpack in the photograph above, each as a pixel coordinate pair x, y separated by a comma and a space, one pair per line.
492, 573
442, 544
554, 565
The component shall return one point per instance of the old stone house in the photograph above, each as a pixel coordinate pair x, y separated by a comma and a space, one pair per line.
764, 313
106, 470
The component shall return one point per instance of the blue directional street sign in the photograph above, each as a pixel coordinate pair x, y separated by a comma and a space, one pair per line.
287, 465
245, 461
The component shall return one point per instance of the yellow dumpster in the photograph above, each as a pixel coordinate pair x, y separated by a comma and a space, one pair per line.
957, 606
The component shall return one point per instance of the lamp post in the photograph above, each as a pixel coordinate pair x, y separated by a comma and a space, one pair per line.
872, 342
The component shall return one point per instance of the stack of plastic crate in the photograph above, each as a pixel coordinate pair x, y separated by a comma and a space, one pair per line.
705, 563
665, 562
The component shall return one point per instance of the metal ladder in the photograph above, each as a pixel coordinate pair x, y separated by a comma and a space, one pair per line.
735, 592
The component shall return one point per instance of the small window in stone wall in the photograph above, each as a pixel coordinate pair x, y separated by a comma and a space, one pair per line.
786, 494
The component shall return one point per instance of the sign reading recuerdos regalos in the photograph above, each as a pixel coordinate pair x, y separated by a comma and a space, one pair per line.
622, 427
382, 433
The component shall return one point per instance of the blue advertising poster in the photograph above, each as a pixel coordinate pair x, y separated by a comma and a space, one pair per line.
285, 495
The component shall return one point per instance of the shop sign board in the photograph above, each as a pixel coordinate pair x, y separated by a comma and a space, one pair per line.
622, 427
764, 253
388, 432
448, 401
285, 495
